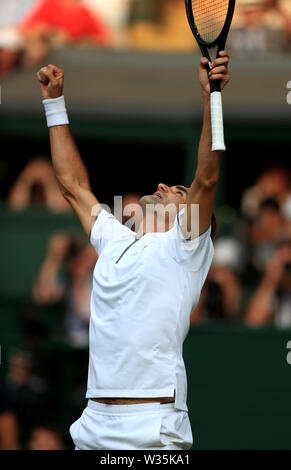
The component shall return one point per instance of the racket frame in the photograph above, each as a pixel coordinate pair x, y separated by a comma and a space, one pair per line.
221, 39
215, 85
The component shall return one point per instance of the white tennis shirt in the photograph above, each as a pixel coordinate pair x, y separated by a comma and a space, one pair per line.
141, 303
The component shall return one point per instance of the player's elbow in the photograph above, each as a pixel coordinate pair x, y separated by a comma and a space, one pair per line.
69, 187
207, 183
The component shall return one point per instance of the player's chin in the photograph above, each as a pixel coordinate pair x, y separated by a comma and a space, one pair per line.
149, 199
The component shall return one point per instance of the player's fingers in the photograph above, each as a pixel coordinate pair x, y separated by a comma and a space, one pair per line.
224, 54
216, 70
220, 76
220, 61
57, 71
42, 78
45, 71
204, 61
223, 77
48, 73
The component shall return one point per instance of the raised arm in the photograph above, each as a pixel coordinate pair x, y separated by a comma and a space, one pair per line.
69, 169
204, 186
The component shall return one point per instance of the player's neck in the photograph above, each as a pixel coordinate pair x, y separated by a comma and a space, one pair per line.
153, 225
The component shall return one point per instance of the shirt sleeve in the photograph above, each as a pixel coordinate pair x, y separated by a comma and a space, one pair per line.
106, 230
195, 254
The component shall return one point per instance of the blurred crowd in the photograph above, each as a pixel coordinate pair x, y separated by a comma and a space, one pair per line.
25, 408
250, 278
249, 282
30, 28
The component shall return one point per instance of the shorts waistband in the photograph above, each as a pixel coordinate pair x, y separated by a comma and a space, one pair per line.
126, 409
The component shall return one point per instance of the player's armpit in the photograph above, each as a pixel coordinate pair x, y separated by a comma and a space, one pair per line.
84, 203
200, 204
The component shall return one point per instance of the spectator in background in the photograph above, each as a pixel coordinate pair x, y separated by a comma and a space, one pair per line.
66, 274
273, 183
11, 40
266, 231
271, 302
286, 212
45, 438
29, 27
261, 26
33, 326
8, 421
69, 21
116, 14
262, 227
169, 32
267, 207
37, 186
29, 393
285, 6
222, 294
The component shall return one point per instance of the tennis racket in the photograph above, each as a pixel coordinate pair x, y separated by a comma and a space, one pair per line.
210, 21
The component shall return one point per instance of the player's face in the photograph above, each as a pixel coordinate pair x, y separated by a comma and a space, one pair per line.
165, 195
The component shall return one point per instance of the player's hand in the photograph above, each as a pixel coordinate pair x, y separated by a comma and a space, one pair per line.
51, 79
219, 71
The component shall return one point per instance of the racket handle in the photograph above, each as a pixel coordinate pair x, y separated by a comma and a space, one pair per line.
217, 121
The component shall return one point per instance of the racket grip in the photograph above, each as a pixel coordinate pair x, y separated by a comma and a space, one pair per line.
217, 121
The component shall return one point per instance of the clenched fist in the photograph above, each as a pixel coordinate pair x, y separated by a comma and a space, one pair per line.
51, 79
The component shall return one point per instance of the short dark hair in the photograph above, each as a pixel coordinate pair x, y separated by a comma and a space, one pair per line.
213, 226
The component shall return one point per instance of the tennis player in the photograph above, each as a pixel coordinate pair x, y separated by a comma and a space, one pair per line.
145, 286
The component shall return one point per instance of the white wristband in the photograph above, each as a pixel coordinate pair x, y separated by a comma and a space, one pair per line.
56, 112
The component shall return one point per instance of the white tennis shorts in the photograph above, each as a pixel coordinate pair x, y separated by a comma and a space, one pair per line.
149, 426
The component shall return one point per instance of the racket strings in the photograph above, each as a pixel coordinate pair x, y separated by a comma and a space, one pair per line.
209, 17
